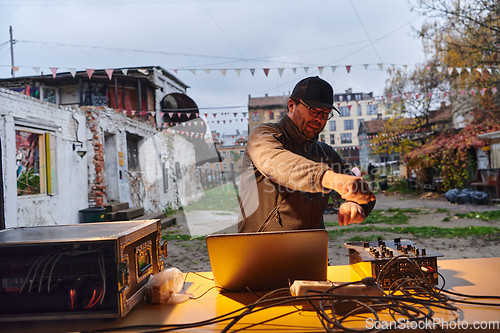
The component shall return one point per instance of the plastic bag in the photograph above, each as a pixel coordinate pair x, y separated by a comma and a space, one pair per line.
451, 195
165, 286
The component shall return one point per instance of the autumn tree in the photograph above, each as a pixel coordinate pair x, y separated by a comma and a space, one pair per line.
462, 42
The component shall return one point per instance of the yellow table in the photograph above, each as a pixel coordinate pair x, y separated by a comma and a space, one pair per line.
468, 276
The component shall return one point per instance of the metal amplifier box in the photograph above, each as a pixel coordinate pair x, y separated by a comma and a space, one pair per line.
91, 270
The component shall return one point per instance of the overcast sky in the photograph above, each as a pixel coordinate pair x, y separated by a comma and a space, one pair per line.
202, 35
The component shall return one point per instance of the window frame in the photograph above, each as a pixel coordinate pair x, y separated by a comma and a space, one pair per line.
44, 162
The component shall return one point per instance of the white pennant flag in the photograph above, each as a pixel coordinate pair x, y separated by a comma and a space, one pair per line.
193, 71
294, 70
72, 71
306, 69
366, 66
450, 70
320, 69
280, 71
238, 71
381, 66
468, 69
480, 70
439, 69
334, 68
223, 71
459, 70
489, 70
207, 71
37, 70
143, 71
124, 71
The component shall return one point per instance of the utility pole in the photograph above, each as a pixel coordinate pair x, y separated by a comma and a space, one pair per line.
11, 53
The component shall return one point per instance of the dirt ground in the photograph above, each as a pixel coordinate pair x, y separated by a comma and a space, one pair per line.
192, 255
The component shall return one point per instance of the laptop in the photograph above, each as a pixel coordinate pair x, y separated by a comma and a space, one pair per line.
267, 260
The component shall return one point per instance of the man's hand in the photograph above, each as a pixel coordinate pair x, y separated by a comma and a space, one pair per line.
350, 212
350, 188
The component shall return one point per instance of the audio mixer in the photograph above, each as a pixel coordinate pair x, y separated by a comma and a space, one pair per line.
372, 258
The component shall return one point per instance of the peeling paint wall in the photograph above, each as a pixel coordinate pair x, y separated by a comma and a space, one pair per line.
155, 184
67, 126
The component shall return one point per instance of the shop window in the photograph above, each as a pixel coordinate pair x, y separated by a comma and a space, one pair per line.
332, 139
35, 162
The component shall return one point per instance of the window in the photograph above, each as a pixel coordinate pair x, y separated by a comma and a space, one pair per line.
348, 124
345, 138
332, 125
49, 95
344, 111
349, 97
242, 152
360, 113
224, 155
217, 167
224, 166
133, 152
35, 162
332, 139
178, 171
271, 115
371, 109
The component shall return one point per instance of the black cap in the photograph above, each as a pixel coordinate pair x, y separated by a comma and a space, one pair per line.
315, 92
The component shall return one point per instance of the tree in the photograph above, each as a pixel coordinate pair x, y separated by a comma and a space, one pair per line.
462, 42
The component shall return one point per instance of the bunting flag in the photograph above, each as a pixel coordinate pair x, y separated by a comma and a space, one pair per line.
108, 71
89, 72
15, 68
440, 69
54, 71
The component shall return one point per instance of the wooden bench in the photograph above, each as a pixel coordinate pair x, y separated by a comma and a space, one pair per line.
488, 180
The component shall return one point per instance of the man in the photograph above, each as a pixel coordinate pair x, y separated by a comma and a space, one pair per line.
287, 174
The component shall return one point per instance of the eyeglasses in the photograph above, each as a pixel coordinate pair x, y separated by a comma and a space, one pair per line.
324, 113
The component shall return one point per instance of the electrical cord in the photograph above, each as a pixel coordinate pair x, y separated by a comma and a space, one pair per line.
410, 299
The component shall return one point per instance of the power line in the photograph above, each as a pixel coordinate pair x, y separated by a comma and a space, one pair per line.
366, 32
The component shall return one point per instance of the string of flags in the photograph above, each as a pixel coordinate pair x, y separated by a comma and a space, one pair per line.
188, 115
281, 70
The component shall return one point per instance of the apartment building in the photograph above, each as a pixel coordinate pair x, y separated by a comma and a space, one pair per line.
341, 131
